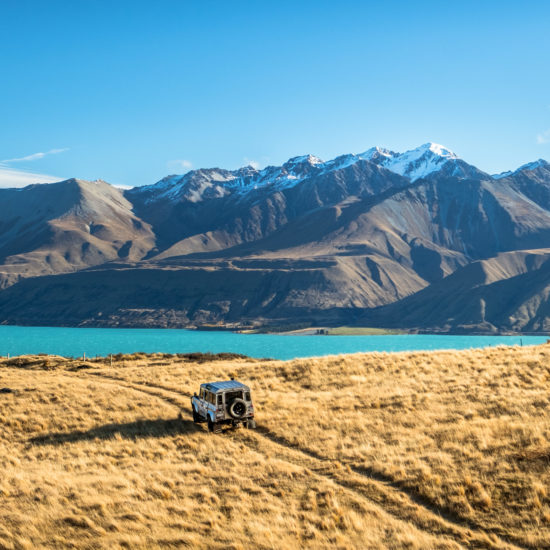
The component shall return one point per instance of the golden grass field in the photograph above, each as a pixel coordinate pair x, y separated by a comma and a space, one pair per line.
407, 450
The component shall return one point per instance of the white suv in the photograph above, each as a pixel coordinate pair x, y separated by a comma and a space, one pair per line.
220, 403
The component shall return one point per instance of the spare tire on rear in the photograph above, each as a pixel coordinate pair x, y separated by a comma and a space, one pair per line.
237, 408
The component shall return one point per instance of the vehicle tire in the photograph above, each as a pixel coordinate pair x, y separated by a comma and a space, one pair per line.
237, 408
251, 424
196, 417
211, 425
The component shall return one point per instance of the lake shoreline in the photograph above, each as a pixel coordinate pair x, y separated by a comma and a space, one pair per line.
90, 342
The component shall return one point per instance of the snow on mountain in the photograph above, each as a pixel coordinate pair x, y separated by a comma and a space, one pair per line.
216, 182
289, 174
529, 166
378, 154
197, 185
502, 175
416, 163
304, 159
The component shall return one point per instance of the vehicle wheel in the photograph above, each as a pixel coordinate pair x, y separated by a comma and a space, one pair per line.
237, 409
211, 425
196, 417
251, 424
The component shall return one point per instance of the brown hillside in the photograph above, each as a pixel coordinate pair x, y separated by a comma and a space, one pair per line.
67, 226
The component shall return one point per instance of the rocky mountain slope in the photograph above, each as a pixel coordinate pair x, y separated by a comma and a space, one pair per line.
418, 240
66, 226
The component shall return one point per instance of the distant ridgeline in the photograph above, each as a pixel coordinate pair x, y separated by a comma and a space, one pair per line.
420, 240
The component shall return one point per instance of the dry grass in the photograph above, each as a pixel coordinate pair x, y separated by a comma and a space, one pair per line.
409, 450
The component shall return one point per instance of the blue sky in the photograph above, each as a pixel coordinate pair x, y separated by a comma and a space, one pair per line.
132, 91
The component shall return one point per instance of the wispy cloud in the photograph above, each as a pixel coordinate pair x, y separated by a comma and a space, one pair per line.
19, 178
34, 156
250, 162
543, 137
179, 164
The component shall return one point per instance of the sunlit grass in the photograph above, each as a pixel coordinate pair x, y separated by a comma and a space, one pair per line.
92, 455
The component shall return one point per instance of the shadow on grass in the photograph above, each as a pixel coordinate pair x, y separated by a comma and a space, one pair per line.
130, 430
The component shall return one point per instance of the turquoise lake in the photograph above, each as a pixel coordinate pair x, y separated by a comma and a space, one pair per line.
103, 341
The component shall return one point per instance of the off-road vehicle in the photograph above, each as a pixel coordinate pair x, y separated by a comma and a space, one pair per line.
223, 403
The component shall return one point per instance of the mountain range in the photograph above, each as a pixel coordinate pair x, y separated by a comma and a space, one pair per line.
419, 240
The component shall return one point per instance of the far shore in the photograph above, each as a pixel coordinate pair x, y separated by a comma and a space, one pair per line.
290, 329
334, 331
366, 331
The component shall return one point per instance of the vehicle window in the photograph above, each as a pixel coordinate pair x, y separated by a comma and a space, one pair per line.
247, 396
209, 396
220, 399
230, 395
201, 393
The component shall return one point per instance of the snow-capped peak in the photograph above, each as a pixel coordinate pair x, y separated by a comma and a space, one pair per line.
211, 183
304, 159
533, 165
439, 150
414, 164
377, 152
529, 166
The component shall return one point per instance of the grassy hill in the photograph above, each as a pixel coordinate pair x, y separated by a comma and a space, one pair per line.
409, 450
